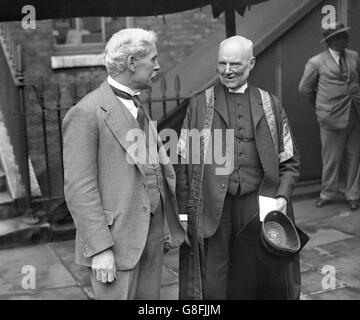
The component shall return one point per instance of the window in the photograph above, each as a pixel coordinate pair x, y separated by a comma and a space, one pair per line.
76, 37
79, 31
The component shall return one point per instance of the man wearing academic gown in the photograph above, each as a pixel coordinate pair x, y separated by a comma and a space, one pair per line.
226, 260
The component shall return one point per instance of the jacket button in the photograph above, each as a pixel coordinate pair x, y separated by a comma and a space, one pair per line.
223, 186
144, 209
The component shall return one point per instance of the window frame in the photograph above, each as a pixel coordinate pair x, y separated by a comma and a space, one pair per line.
81, 48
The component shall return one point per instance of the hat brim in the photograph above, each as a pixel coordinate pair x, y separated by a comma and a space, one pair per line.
345, 29
249, 237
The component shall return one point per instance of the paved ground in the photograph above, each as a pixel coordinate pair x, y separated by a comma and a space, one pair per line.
330, 263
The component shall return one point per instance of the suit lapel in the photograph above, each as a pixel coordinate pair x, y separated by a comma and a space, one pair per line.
331, 63
119, 120
220, 102
348, 64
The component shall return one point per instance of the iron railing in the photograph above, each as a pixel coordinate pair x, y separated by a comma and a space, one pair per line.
45, 118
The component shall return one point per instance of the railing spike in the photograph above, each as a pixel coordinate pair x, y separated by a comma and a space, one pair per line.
13, 52
58, 94
41, 84
177, 83
19, 63
74, 92
163, 85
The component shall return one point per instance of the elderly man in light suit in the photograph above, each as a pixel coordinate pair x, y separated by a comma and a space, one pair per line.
120, 204
331, 83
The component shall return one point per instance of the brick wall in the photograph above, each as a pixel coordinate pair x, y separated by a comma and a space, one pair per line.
179, 34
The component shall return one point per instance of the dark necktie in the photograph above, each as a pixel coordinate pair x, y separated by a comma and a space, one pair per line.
140, 111
342, 64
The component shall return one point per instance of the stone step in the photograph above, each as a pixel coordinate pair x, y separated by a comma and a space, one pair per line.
5, 197
7, 206
15, 232
306, 190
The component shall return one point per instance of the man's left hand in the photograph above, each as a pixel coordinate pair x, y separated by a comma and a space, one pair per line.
281, 204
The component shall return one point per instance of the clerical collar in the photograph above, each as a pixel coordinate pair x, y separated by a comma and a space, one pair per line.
240, 90
121, 87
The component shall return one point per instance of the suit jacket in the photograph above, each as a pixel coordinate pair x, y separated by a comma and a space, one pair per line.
105, 193
279, 178
324, 86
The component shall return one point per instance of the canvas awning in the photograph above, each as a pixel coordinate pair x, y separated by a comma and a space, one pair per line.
11, 10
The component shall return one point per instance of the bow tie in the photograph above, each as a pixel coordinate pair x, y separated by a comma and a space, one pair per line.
124, 95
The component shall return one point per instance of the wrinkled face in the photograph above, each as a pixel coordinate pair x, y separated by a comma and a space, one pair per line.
234, 65
146, 69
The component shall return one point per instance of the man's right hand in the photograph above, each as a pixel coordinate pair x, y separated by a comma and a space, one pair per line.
103, 266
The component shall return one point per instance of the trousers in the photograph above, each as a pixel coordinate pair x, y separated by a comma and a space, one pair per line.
341, 150
144, 281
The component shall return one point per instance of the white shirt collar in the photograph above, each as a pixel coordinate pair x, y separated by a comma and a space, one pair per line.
335, 54
240, 90
120, 86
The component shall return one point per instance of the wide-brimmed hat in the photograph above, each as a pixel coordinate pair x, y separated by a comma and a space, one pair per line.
330, 32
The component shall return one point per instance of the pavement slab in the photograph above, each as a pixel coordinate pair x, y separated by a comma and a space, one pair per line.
350, 275
346, 293
65, 251
305, 210
68, 293
50, 273
6, 288
317, 258
304, 266
349, 249
322, 236
312, 282
347, 221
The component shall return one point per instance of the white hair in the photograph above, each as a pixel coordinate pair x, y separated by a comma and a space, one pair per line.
131, 41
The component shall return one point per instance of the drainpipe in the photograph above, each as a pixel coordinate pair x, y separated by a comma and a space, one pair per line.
230, 25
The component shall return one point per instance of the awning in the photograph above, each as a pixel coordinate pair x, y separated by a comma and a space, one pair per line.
11, 10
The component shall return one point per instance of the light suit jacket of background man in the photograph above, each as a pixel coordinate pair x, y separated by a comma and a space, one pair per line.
278, 179
336, 98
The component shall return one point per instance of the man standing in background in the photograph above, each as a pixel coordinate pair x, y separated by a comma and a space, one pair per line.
331, 84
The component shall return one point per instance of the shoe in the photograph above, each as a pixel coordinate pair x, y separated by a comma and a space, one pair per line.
353, 205
323, 202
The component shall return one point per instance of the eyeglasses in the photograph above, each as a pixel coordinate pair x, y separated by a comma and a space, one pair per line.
233, 66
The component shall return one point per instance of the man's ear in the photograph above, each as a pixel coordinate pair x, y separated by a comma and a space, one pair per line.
252, 63
131, 63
